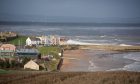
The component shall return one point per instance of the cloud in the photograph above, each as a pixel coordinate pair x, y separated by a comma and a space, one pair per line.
70, 8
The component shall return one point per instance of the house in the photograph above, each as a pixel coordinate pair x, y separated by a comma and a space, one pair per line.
35, 65
30, 41
33, 53
31, 65
8, 47
6, 36
54, 40
49, 40
7, 50
44, 40
63, 41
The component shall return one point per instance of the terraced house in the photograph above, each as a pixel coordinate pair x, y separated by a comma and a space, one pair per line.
43, 40
6, 36
30, 41
7, 50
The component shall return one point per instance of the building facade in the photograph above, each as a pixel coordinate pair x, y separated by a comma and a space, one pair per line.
31, 65
7, 50
33, 41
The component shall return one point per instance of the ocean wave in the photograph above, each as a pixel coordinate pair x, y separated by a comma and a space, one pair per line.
104, 28
134, 56
116, 69
44, 29
93, 42
103, 36
103, 39
132, 67
124, 45
74, 42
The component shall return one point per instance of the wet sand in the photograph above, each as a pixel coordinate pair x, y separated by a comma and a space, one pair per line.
93, 60
71, 59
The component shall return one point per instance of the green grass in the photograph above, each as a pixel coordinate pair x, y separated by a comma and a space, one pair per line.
3, 71
52, 65
48, 50
51, 50
19, 40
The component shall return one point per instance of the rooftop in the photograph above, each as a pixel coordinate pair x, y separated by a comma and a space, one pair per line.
34, 39
27, 51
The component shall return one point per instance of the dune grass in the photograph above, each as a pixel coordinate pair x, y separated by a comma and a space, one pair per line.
121, 77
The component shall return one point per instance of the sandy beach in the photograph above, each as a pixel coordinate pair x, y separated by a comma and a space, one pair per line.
96, 60
71, 57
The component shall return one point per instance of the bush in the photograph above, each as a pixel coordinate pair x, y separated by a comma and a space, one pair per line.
2, 64
7, 63
25, 60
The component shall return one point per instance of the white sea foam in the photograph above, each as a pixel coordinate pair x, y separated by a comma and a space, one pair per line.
124, 45
116, 69
132, 67
90, 42
44, 29
50, 29
133, 56
103, 36
73, 42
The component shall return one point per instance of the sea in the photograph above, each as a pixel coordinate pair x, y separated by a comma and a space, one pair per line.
95, 33
115, 34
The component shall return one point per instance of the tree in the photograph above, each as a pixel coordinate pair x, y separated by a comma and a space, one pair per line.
25, 60
1, 64
7, 63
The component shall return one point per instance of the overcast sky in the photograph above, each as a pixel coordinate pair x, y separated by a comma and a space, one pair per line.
69, 10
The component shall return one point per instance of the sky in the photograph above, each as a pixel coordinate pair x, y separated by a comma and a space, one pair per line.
70, 10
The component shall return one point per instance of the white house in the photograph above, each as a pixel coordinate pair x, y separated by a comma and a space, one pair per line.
44, 40
33, 41
54, 40
31, 65
49, 40
63, 41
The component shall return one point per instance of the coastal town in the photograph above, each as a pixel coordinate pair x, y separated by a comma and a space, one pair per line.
34, 58
69, 41
19, 52
31, 52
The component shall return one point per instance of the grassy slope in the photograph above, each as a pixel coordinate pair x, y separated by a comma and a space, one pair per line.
71, 78
51, 50
3, 71
20, 40
48, 50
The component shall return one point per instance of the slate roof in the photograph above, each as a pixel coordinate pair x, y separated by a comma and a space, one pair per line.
34, 39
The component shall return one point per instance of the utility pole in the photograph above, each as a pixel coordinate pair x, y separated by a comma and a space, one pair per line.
19, 43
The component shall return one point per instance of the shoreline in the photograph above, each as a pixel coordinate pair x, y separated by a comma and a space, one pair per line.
111, 47
104, 59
